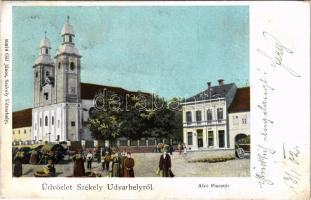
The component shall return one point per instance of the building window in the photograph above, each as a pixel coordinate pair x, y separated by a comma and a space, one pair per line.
36, 74
198, 116
46, 51
221, 138
188, 117
72, 66
70, 38
73, 90
40, 122
189, 138
220, 114
24, 131
73, 123
46, 95
209, 115
58, 137
235, 120
19, 131
13, 132
52, 120
210, 138
47, 73
244, 121
46, 121
58, 65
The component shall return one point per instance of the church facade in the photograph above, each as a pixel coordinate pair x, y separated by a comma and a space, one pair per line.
56, 114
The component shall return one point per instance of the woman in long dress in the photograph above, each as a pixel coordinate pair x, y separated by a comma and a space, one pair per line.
78, 167
18, 168
116, 165
128, 166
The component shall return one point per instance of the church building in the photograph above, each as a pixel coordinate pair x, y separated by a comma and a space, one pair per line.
61, 103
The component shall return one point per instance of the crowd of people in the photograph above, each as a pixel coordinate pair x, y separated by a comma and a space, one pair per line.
113, 162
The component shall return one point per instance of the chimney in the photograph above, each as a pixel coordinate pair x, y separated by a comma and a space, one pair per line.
220, 82
209, 84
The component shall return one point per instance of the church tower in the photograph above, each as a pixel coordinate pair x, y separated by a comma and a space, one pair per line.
67, 79
44, 75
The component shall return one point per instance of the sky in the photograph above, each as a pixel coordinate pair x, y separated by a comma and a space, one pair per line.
171, 51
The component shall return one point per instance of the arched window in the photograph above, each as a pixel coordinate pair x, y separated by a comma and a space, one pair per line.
52, 120
72, 66
46, 51
46, 120
36, 74
58, 65
47, 73
70, 38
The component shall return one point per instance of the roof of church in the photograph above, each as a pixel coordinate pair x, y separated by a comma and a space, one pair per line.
241, 101
45, 42
44, 59
217, 91
67, 29
22, 118
89, 90
68, 49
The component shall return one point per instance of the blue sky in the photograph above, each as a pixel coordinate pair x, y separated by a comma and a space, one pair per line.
170, 51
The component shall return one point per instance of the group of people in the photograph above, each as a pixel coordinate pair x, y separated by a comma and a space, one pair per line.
118, 164
115, 163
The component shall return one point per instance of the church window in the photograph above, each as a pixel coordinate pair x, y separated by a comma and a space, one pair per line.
46, 95
47, 73
72, 66
46, 121
52, 120
57, 138
73, 90
24, 131
73, 123
40, 122
58, 65
19, 131
36, 74
46, 51
70, 38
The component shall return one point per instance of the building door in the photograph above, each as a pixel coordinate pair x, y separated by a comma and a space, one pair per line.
200, 138
221, 136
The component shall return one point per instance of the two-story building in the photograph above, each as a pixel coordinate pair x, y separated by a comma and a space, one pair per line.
22, 126
239, 116
205, 117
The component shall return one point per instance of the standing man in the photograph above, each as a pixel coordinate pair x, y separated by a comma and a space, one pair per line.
165, 165
89, 158
128, 166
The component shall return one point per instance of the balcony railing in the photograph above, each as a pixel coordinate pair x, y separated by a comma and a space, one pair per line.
205, 123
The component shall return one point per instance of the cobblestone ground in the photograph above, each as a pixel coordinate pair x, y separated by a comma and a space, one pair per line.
146, 165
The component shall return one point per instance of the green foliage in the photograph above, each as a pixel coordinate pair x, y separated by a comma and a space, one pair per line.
157, 118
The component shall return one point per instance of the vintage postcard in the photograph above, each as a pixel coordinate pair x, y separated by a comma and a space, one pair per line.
145, 100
